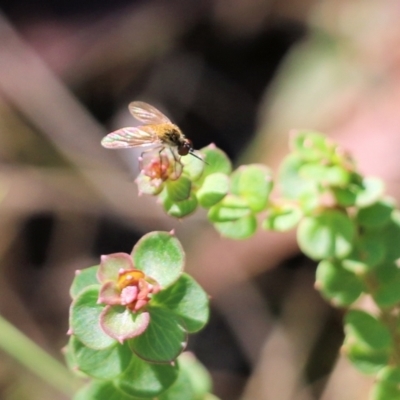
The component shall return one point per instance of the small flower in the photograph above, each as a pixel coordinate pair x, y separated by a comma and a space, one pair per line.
156, 168
124, 285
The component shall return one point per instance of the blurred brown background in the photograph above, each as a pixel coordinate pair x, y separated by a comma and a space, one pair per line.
238, 73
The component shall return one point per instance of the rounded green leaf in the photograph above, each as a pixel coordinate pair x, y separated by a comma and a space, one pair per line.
329, 234
179, 209
312, 146
160, 256
327, 175
181, 389
387, 292
85, 319
390, 375
387, 386
199, 376
121, 323
83, 278
389, 236
146, 380
385, 391
253, 183
187, 299
230, 208
179, 190
367, 253
371, 190
376, 215
365, 359
367, 330
242, 228
214, 189
337, 284
282, 218
102, 390
193, 167
100, 364
216, 161
70, 359
345, 196
163, 340
292, 185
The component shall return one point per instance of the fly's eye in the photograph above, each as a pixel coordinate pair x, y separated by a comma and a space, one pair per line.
185, 148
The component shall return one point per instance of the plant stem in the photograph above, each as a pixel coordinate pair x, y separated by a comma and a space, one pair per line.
32, 357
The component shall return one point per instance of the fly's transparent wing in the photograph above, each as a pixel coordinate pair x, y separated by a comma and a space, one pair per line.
130, 137
147, 114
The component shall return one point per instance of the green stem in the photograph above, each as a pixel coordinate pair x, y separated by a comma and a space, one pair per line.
32, 357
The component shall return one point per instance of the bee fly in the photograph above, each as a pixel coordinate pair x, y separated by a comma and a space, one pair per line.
157, 129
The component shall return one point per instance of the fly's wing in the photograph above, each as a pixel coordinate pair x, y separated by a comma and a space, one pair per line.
147, 114
131, 137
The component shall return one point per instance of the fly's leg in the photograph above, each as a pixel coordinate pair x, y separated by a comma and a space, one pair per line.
178, 166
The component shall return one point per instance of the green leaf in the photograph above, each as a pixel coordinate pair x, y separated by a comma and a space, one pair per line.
193, 167
385, 391
327, 175
312, 146
181, 389
70, 359
370, 192
242, 228
160, 256
199, 376
253, 183
329, 234
230, 208
187, 299
102, 390
292, 185
121, 323
389, 236
345, 196
179, 209
337, 284
216, 161
100, 364
144, 380
214, 189
365, 359
388, 384
367, 330
387, 292
282, 218
83, 279
163, 340
85, 319
367, 253
179, 190
377, 214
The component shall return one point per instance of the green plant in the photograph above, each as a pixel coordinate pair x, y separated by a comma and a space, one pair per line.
131, 315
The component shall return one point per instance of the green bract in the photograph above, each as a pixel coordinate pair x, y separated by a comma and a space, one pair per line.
388, 384
328, 234
252, 183
283, 217
214, 189
338, 285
